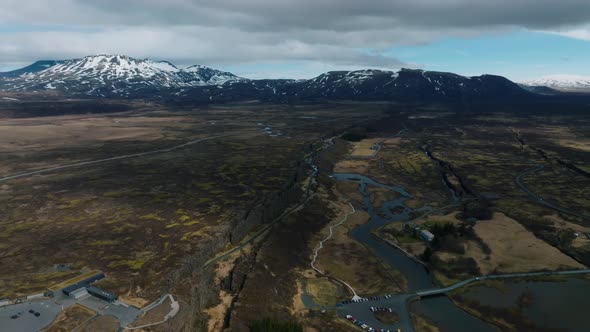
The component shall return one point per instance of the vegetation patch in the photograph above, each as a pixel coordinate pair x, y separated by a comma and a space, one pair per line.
273, 325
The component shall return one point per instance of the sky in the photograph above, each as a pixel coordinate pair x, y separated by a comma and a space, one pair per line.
519, 39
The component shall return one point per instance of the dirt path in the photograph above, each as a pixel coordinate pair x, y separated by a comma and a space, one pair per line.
321, 245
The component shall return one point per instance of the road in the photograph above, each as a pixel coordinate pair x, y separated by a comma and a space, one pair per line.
398, 303
174, 308
438, 291
98, 161
539, 200
147, 153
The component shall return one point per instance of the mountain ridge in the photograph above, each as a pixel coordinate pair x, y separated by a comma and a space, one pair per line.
121, 76
561, 82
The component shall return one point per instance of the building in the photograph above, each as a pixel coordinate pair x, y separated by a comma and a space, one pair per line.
426, 235
79, 293
82, 283
101, 294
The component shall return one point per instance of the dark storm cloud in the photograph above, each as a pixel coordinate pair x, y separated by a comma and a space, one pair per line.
336, 32
347, 15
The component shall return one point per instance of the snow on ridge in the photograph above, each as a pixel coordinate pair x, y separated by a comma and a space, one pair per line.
93, 72
560, 81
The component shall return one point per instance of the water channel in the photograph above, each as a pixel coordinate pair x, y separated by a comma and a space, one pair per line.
440, 310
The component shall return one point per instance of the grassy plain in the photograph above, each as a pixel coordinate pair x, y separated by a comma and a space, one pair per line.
136, 218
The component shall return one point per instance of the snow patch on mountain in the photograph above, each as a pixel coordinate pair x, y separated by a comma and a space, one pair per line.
114, 74
561, 82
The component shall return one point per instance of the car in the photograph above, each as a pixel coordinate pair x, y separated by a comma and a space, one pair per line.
349, 317
32, 311
37, 314
14, 317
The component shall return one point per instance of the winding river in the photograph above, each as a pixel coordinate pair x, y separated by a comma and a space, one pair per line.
439, 310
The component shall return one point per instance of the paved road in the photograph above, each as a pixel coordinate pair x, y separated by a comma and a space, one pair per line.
438, 291
362, 312
539, 200
174, 308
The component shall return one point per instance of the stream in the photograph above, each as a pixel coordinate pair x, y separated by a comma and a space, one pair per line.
440, 310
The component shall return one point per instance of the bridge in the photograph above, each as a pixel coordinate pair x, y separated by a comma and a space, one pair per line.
439, 291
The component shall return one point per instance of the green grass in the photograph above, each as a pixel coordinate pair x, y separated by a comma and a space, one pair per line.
104, 243
131, 264
70, 204
115, 193
151, 216
323, 292
406, 239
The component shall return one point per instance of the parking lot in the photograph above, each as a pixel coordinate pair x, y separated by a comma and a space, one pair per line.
48, 310
361, 311
26, 321
125, 314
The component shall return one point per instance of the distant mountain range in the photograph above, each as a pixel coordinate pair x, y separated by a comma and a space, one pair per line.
562, 83
119, 76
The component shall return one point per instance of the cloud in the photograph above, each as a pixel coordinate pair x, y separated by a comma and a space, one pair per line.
582, 33
231, 32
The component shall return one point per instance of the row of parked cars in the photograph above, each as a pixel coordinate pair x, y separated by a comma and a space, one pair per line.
31, 311
365, 326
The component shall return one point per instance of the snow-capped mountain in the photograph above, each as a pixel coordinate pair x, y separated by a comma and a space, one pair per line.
408, 84
562, 82
121, 76
108, 75
367, 85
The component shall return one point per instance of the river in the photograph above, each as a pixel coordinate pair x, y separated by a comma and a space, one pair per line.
440, 310
553, 304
